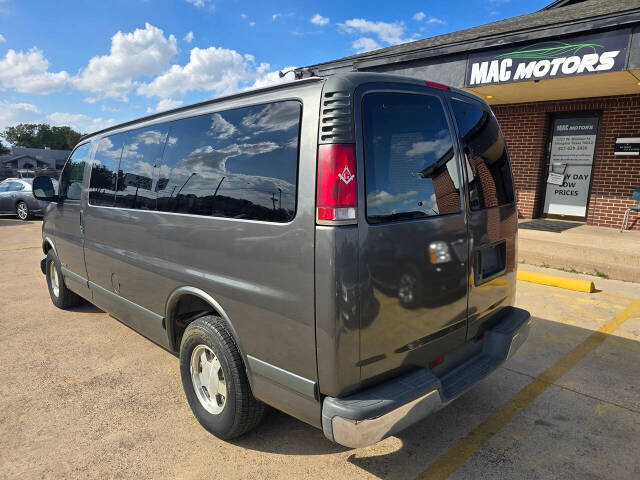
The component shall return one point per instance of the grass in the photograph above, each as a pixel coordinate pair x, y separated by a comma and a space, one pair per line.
600, 274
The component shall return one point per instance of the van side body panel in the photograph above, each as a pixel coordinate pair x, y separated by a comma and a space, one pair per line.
338, 294
260, 273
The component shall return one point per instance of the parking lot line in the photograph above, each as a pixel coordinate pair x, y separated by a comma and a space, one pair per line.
467, 446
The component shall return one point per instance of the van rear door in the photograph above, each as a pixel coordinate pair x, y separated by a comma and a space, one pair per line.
413, 256
493, 218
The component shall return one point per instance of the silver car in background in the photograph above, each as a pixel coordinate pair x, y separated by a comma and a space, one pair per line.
16, 197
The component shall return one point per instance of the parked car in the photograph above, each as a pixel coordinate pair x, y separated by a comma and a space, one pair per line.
340, 248
16, 197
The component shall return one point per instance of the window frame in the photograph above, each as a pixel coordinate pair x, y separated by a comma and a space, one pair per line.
66, 163
405, 89
486, 108
186, 116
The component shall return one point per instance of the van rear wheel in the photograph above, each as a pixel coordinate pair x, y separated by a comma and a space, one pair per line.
60, 295
215, 381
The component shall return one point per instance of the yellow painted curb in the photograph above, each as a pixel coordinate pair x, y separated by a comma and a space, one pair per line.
555, 281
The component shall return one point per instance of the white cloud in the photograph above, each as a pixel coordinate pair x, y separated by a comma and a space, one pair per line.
80, 122
213, 69
14, 113
268, 78
436, 21
243, 16
168, 104
276, 16
28, 72
252, 24
390, 33
143, 52
201, 3
2, 39
188, 37
318, 19
365, 44
418, 17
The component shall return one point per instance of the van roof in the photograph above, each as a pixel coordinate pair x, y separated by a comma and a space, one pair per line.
350, 79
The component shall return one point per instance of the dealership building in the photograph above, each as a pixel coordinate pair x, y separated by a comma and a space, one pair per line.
564, 84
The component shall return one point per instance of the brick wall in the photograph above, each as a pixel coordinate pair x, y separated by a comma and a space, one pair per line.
526, 127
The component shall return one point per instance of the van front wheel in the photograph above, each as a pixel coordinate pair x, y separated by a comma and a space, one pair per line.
60, 295
215, 381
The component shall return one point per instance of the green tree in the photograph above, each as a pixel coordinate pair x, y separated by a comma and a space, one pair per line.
4, 150
41, 135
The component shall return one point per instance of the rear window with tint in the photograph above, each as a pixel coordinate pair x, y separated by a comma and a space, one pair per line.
487, 163
240, 163
410, 166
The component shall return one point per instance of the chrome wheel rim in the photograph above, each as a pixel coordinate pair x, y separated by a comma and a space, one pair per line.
22, 211
208, 379
55, 281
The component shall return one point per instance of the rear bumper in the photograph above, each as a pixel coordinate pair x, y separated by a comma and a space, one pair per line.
370, 415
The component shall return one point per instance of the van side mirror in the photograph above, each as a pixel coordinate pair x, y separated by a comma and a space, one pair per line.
43, 189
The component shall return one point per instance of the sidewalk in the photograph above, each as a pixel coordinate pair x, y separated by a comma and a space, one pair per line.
576, 247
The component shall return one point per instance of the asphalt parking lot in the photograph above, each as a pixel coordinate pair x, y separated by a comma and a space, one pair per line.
83, 396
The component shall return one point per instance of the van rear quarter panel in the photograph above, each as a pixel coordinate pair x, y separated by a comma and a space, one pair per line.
261, 273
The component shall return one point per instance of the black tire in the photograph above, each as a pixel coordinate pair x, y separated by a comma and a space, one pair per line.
22, 211
65, 297
241, 411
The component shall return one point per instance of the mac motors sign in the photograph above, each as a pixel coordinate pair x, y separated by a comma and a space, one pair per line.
598, 53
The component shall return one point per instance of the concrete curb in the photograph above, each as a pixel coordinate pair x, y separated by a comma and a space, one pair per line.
555, 281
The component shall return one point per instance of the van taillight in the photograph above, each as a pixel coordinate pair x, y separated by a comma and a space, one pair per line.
337, 193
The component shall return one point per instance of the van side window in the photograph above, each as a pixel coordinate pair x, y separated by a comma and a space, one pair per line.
104, 171
487, 162
141, 154
240, 163
70, 187
410, 165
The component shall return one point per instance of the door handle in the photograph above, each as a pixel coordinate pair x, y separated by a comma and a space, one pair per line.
81, 222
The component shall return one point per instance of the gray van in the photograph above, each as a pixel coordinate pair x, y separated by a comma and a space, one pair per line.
342, 249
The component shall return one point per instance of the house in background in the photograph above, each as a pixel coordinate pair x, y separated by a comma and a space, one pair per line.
41, 160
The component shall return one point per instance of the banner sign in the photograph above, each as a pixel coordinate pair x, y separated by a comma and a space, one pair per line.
571, 158
596, 53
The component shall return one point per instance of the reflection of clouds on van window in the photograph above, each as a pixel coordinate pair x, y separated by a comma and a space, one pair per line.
220, 128
131, 151
438, 147
293, 143
105, 145
107, 148
151, 137
143, 168
381, 197
209, 157
273, 117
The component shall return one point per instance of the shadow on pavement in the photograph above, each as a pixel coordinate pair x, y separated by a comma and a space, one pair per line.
547, 433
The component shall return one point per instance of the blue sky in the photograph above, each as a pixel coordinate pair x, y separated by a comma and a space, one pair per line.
93, 63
